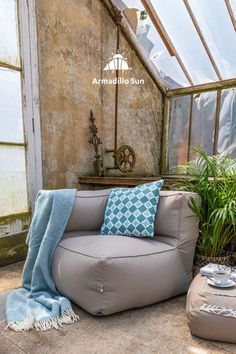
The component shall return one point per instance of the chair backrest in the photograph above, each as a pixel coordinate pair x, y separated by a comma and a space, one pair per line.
88, 210
173, 212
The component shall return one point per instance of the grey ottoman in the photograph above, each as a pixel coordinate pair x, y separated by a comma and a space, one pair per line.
211, 311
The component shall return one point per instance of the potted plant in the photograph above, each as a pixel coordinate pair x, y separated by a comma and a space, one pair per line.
213, 178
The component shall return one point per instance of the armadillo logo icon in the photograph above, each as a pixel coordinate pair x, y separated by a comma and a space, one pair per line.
117, 62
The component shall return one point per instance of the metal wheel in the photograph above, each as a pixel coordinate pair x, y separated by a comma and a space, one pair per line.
125, 158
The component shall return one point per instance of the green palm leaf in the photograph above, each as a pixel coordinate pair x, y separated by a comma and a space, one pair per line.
214, 179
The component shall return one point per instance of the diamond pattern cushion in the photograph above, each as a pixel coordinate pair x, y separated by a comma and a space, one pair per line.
131, 211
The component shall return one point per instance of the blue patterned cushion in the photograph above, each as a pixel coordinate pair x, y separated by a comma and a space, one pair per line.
131, 211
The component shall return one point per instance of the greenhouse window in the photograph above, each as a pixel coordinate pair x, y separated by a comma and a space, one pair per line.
207, 119
227, 122
179, 131
20, 143
203, 122
13, 185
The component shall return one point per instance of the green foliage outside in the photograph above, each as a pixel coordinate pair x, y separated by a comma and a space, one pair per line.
214, 179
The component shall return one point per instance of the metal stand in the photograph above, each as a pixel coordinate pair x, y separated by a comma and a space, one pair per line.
124, 156
96, 141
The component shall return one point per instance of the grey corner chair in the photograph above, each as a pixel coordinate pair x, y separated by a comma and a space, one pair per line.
107, 274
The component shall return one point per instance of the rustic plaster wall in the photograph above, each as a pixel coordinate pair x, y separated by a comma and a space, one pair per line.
75, 40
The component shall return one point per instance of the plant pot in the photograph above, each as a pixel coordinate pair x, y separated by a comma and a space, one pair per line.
200, 261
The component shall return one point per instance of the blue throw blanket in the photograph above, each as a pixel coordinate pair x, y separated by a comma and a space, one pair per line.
38, 304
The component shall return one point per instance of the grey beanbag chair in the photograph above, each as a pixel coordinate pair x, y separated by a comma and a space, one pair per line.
107, 274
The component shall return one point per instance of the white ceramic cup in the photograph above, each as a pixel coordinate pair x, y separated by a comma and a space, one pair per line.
221, 277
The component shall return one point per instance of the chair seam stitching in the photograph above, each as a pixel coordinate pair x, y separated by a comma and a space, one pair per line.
120, 257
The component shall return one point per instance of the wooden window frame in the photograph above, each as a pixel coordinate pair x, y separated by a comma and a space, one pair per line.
30, 96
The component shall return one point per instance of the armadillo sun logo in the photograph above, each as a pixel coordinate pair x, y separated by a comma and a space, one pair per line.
117, 62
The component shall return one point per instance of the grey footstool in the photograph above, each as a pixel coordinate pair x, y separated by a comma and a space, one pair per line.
211, 311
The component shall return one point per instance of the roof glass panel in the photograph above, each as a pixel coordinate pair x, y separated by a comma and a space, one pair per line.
167, 66
201, 47
183, 34
233, 6
218, 30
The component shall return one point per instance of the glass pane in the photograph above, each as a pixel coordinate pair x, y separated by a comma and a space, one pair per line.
203, 121
183, 34
178, 132
227, 125
13, 188
233, 6
9, 44
11, 124
167, 67
218, 30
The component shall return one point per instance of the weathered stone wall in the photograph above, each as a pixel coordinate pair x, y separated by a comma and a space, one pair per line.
75, 40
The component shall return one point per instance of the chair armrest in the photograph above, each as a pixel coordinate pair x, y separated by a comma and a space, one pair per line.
176, 220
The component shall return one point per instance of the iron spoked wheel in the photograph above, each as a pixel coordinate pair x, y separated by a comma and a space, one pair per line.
125, 158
